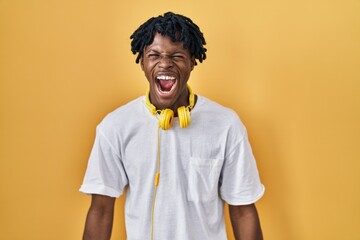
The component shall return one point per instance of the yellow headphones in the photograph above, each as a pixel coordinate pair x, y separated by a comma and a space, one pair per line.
167, 115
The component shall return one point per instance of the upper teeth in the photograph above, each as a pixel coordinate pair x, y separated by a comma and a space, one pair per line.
165, 78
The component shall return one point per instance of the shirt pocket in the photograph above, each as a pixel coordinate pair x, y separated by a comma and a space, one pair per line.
203, 179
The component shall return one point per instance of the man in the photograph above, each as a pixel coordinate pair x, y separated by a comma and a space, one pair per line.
180, 155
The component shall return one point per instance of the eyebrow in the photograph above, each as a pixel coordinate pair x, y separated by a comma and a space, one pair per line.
151, 50
172, 53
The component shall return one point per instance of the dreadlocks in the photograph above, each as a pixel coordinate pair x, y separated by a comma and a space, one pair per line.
177, 27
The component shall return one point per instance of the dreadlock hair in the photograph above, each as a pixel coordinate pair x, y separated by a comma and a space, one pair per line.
178, 27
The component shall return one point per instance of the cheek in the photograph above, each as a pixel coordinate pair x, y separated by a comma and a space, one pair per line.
187, 70
148, 70
149, 66
148, 75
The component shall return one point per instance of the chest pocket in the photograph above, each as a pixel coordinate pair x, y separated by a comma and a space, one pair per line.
203, 179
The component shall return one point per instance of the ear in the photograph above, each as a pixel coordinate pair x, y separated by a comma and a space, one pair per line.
193, 63
142, 63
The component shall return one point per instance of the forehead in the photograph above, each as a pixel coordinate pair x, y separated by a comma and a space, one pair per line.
165, 44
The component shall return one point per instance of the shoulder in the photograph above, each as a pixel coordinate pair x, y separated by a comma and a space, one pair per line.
123, 116
216, 111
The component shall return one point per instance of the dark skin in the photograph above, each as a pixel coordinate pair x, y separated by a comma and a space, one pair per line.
245, 222
99, 221
163, 57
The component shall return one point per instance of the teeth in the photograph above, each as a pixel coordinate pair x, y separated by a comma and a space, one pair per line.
166, 78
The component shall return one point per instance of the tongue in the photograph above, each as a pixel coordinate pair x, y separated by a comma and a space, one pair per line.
166, 85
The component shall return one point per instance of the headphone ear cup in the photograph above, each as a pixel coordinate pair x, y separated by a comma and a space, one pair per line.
184, 116
166, 118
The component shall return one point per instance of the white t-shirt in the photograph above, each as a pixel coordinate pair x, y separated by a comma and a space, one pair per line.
201, 166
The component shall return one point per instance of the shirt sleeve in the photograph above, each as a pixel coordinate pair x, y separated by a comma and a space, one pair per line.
240, 182
105, 173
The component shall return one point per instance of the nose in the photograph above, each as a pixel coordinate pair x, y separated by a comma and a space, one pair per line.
165, 62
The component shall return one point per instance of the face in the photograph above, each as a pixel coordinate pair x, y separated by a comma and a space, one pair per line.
167, 66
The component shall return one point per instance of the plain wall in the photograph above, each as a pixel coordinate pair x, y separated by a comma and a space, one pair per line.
290, 69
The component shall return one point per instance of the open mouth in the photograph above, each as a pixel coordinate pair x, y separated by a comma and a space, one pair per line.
165, 84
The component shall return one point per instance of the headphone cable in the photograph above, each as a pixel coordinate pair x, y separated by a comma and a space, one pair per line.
156, 183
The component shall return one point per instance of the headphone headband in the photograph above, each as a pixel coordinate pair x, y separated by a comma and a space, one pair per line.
167, 115
153, 110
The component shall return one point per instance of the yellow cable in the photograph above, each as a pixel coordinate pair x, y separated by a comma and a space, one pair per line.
156, 183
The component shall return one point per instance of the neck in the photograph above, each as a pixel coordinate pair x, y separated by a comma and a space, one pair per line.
187, 99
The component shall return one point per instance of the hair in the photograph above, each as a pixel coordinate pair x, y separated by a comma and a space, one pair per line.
178, 27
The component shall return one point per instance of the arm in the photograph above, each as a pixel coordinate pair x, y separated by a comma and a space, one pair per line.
99, 219
245, 222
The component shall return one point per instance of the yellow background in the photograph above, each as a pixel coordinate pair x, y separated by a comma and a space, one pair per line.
291, 69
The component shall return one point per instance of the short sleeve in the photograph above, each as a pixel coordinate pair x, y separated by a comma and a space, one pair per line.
105, 173
240, 181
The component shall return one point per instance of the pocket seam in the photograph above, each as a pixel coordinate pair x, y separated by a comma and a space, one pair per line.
208, 181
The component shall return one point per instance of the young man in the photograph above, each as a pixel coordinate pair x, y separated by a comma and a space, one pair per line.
180, 155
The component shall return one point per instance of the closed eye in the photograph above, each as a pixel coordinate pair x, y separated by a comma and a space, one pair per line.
178, 57
153, 56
